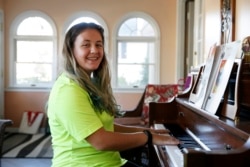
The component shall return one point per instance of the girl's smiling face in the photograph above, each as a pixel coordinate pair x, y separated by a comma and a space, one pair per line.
89, 50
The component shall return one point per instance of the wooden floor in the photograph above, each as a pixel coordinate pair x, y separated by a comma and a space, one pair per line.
25, 162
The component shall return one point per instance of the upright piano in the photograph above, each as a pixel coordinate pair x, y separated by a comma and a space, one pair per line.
207, 140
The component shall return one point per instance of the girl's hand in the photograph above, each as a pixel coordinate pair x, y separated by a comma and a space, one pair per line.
159, 131
164, 139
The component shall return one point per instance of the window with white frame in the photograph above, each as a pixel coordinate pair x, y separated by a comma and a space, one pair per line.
33, 51
137, 48
83, 19
86, 16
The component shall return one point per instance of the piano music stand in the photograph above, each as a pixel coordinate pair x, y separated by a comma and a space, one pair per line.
230, 100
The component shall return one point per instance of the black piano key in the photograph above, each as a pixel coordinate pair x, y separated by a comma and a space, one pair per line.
186, 141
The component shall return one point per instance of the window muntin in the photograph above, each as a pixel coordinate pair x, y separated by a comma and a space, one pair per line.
129, 52
39, 27
33, 62
86, 16
83, 19
136, 54
135, 65
35, 65
140, 75
136, 27
38, 51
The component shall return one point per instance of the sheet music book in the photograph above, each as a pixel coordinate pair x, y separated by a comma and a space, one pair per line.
198, 93
221, 71
216, 61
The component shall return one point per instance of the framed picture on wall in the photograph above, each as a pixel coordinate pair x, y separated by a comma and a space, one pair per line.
227, 20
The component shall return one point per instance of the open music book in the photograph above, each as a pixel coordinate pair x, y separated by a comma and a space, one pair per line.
214, 76
198, 93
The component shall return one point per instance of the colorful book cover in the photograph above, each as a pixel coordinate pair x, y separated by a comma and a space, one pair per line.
220, 76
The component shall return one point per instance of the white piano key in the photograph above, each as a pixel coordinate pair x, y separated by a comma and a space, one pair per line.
174, 153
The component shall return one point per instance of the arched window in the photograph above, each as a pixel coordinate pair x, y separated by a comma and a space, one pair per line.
137, 49
83, 19
86, 16
33, 51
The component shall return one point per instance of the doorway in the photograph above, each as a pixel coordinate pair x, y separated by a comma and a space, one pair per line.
1, 67
189, 36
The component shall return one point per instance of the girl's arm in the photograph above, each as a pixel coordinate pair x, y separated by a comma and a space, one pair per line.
134, 137
131, 129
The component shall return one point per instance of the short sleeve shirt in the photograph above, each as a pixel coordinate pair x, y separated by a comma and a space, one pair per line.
72, 119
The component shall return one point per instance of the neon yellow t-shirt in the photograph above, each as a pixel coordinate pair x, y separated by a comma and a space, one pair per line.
71, 120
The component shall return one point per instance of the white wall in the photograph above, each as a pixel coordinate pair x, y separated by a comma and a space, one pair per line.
242, 22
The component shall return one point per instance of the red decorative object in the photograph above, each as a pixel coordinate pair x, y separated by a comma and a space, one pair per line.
157, 93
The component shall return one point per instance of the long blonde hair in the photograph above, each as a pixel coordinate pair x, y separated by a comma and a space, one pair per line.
99, 84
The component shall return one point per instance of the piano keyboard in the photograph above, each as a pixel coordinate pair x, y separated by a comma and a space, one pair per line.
187, 139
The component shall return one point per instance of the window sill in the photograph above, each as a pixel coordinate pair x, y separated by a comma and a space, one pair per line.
27, 89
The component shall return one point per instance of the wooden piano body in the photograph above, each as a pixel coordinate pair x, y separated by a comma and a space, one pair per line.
227, 138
